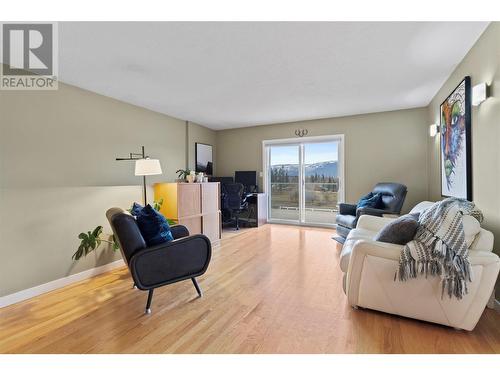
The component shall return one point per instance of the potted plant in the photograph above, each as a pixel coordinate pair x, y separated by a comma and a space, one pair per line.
91, 240
182, 174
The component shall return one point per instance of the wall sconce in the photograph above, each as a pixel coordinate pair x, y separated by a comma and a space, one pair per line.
433, 130
480, 93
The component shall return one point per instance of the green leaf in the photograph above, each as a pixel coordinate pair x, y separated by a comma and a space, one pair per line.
97, 231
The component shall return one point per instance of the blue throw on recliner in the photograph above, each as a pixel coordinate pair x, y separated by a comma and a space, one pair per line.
370, 200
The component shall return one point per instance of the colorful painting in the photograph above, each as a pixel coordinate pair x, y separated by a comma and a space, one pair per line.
455, 129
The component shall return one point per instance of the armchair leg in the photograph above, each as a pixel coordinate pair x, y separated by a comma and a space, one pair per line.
197, 287
148, 304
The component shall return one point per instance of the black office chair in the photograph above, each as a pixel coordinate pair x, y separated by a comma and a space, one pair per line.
233, 201
186, 257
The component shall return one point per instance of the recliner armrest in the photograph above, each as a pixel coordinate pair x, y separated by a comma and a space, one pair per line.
347, 209
171, 262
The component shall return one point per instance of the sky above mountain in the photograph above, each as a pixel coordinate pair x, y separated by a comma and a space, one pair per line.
313, 152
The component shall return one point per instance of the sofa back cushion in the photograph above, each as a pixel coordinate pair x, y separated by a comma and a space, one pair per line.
420, 207
472, 228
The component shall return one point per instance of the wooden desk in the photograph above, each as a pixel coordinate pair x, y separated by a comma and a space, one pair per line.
257, 207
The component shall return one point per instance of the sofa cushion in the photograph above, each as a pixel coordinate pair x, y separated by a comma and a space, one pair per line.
346, 220
153, 226
400, 231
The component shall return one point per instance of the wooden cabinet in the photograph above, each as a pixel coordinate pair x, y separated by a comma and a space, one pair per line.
195, 205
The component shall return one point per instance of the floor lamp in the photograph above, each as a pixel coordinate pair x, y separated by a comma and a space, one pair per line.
144, 166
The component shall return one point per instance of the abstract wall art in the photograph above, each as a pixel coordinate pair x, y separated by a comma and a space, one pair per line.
456, 156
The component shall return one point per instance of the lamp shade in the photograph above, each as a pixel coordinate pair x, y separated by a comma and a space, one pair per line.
147, 167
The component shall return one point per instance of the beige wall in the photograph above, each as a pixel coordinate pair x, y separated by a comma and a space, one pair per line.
482, 64
58, 175
200, 134
388, 146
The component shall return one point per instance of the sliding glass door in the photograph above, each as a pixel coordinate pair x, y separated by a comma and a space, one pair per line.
304, 179
321, 182
284, 191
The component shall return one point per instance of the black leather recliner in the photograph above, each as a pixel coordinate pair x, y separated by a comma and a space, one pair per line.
393, 197
186, 257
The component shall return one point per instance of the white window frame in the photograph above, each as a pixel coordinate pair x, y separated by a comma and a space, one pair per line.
300, 142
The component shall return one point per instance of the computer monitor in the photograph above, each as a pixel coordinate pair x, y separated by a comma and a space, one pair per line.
222, 180
247, 178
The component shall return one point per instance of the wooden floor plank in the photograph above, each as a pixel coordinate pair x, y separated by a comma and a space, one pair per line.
273, 289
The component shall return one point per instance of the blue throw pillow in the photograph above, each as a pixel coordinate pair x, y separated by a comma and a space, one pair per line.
153, 226
136, 208
370, 200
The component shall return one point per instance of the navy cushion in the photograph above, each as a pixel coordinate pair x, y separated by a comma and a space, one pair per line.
136, 208
153, 226
370, 200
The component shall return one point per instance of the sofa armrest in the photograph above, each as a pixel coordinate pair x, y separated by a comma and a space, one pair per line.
360, 251
483, 258
373, 223
347, 209
179, 231
171, 262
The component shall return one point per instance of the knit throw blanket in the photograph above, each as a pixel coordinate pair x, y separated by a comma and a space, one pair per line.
439, 246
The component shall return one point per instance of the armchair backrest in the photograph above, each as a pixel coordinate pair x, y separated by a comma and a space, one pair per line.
233, 195
393, 195
126, 232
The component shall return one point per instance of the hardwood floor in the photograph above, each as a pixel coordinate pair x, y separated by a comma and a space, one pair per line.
273, 289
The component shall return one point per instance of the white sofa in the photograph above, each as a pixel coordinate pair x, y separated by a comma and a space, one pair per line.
369, 268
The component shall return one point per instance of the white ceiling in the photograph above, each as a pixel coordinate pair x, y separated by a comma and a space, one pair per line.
228, 75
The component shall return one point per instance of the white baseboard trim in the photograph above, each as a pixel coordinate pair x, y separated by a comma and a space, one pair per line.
56, 284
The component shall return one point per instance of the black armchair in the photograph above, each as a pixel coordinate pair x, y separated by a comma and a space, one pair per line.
393, 197
186, 257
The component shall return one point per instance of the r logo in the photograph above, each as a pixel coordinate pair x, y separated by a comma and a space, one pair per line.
28, 49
